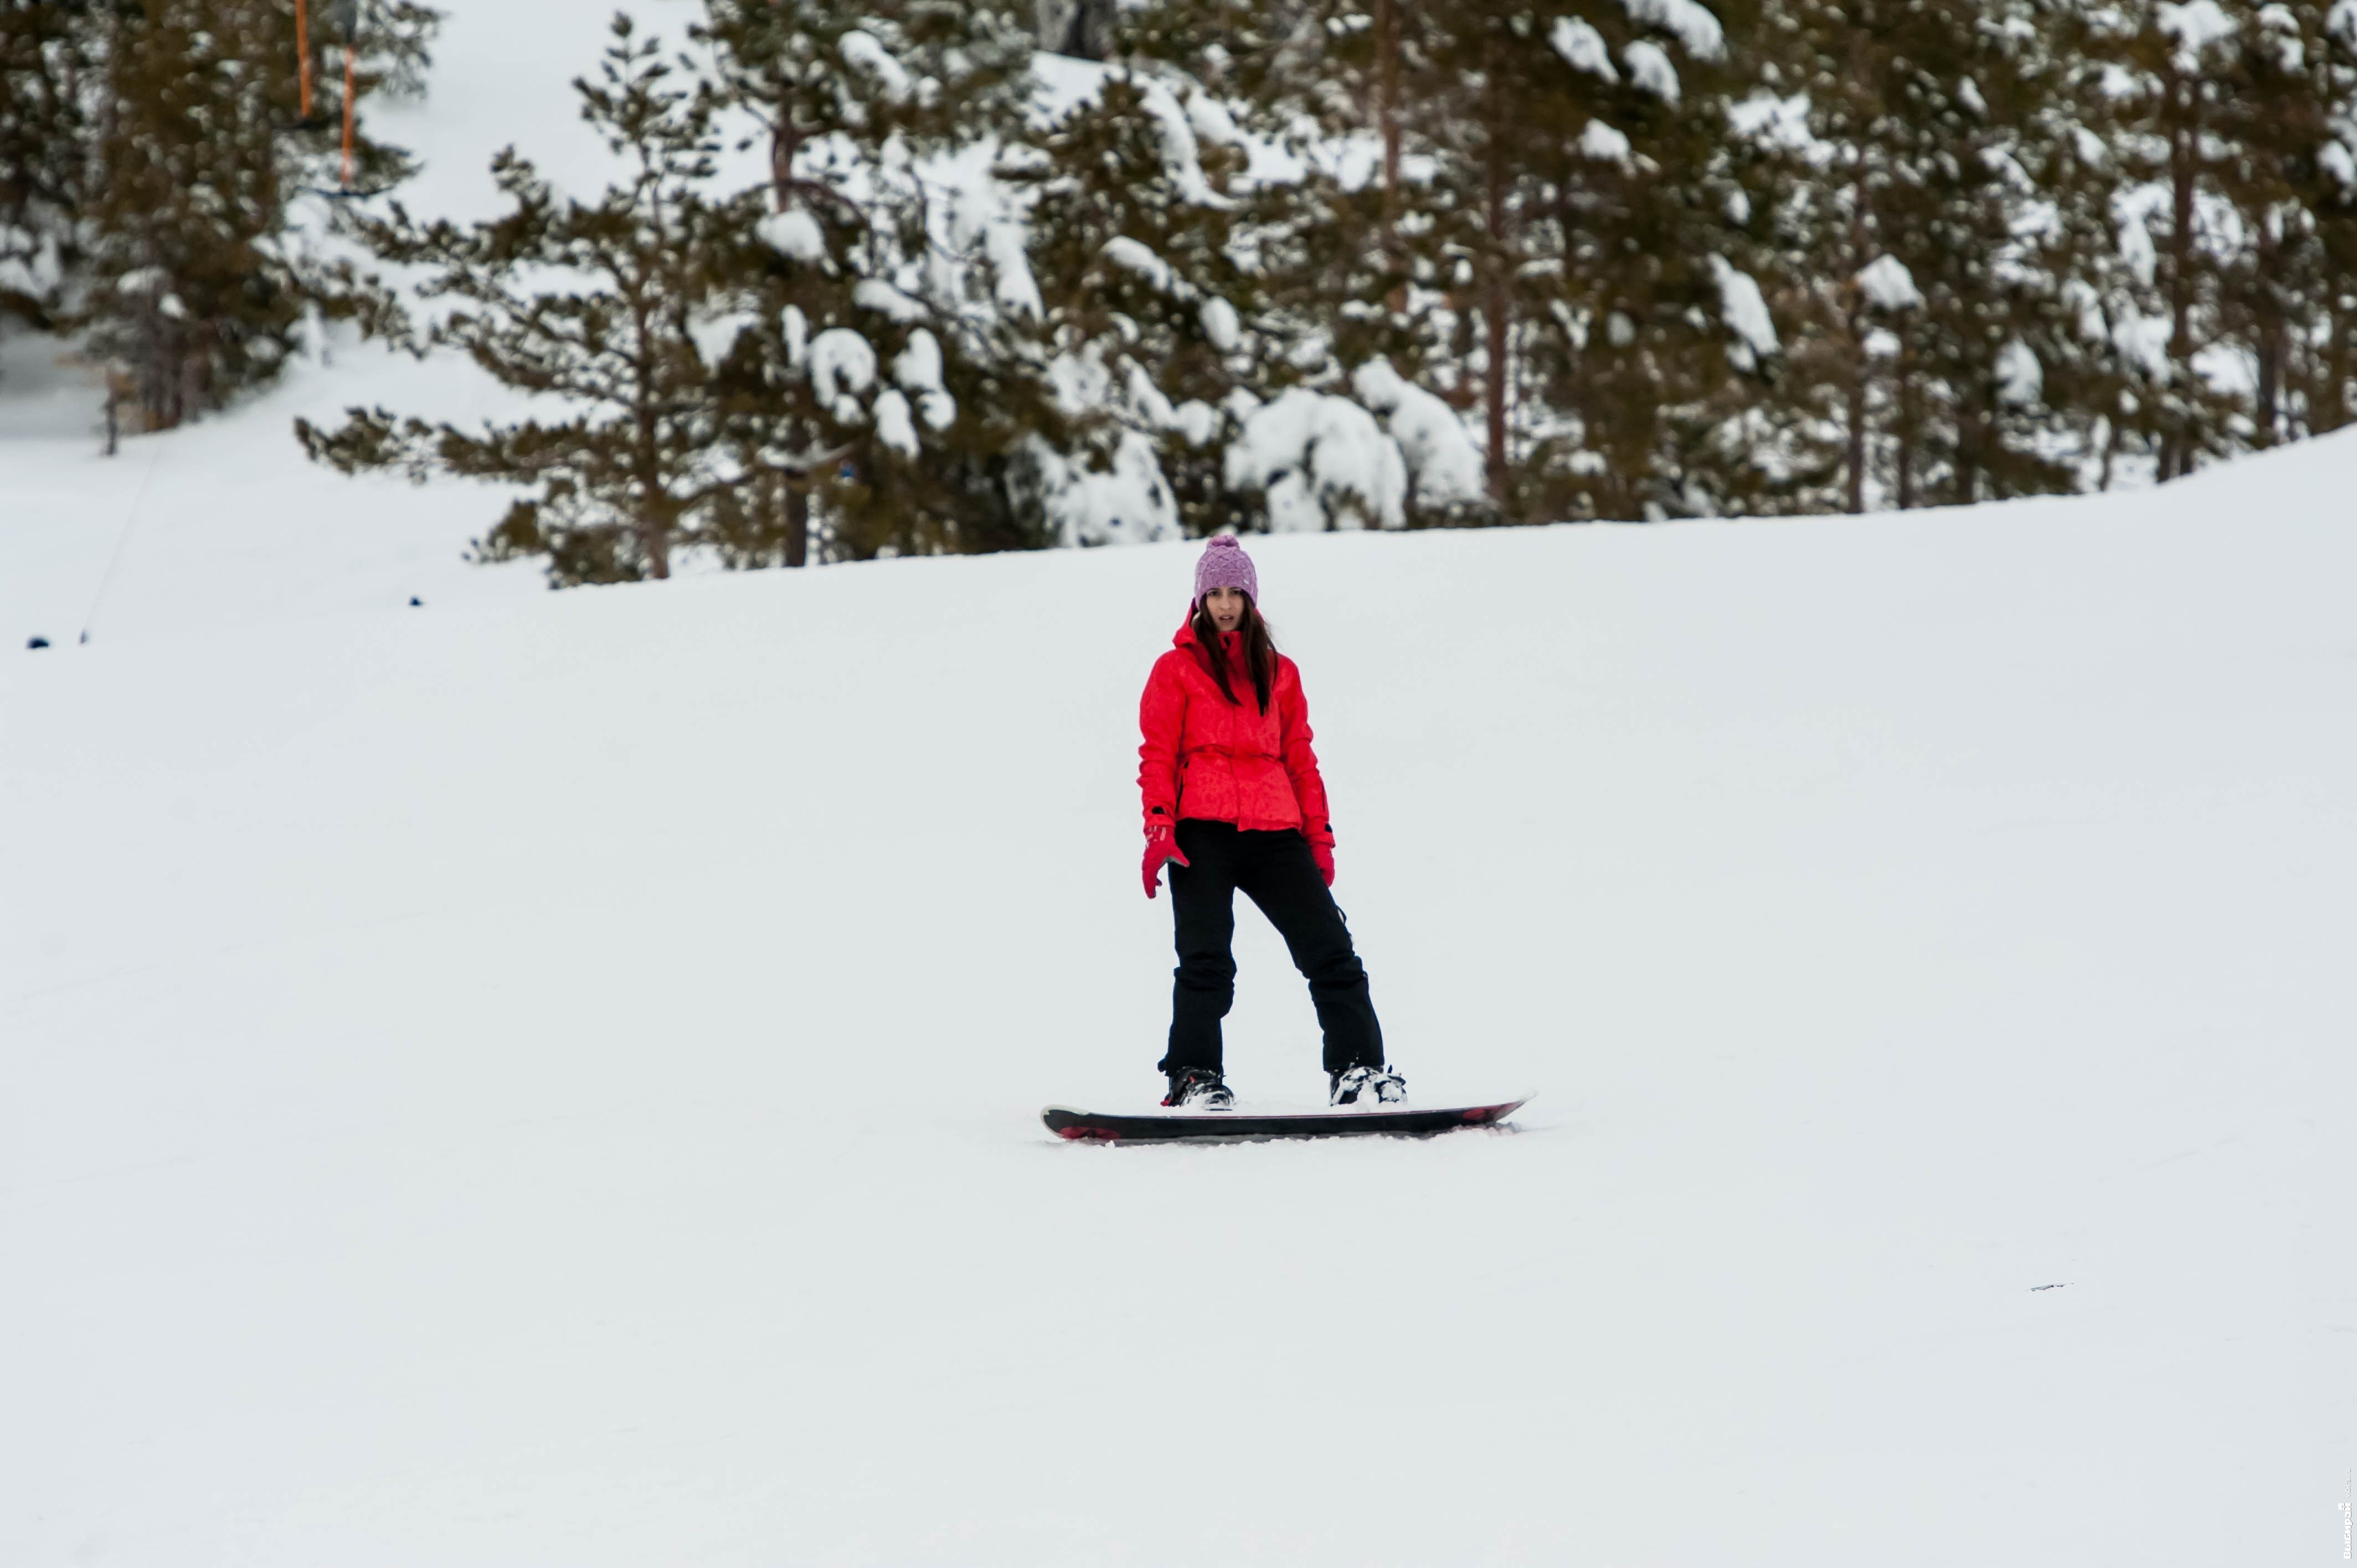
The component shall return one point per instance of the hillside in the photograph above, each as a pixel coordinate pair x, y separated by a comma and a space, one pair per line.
554, 1082
552, 1079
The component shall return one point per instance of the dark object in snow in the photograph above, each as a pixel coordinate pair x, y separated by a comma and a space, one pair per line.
416, 603
39, 642
2035, 1289
1227, 1126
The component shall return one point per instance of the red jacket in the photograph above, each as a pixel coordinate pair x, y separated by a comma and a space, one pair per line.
1219, 761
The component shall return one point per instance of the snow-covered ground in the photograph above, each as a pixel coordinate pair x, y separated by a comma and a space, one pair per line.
552, 1079
557, 1083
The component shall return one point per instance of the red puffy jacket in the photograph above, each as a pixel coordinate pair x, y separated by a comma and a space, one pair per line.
1219, 761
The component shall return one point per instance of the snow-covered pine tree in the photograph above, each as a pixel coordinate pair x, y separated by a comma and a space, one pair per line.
2289, 103
1653, 342
46, 62
1132, 237
894, 308
2320, 371
389, 48
191, 290
184, 277
1222, 341
1350, 259
623, 308
1922, 255
1579, 183
2171, 73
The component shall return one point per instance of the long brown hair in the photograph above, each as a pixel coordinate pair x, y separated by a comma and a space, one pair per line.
1260, 651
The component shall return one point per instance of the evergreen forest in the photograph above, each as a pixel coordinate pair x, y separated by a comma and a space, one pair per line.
876, 277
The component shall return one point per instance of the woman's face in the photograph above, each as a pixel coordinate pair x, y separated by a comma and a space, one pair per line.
1226, 606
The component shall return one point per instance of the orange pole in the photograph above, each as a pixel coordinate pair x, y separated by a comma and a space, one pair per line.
348, 116
302, 53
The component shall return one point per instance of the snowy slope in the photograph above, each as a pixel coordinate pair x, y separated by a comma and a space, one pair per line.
552, 1079
223, 524
555, 1082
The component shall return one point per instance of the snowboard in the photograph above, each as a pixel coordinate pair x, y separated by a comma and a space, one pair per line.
1234, 1127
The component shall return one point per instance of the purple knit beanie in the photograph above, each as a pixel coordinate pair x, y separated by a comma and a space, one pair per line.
1225, 565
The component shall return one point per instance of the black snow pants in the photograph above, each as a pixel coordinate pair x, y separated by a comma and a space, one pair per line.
1275, 872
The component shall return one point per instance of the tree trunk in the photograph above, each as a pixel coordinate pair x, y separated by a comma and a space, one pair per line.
1905, 456
2331, 412
1861, 364
2269, 349
1387, 112
785, 142
1088, 35
1972, 440
797, 525
1856, 457
2184, 151
1494, 305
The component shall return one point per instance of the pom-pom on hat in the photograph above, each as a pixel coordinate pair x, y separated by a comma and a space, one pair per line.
1224, 564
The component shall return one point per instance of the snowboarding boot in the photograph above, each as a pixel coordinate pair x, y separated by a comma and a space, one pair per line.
1366, 1087
1199, 1089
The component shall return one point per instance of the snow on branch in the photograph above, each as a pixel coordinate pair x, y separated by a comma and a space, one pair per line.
1128, 503
1603, 144
1650, 68
2021, 378
1441, 457
793, 235
2195, 25
1693, 24
875, 294
1582, 47
1888, 285
841, 365
1744, 308
1136, 256
1322, 462
864, 53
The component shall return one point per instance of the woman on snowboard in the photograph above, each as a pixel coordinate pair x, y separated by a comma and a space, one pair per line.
1233, 800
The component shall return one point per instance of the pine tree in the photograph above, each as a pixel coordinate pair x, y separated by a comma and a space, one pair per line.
168, 151
1579, 184
892, 283
2320, 376
1145, 307
2289, 100
1930, 278
190, 287
45, 62
2173, 74
640, 472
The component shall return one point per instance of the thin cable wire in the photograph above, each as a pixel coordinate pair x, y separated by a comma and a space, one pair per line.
122, 542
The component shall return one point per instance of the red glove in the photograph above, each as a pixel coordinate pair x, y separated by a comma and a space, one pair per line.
1322, 852
1161, 845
